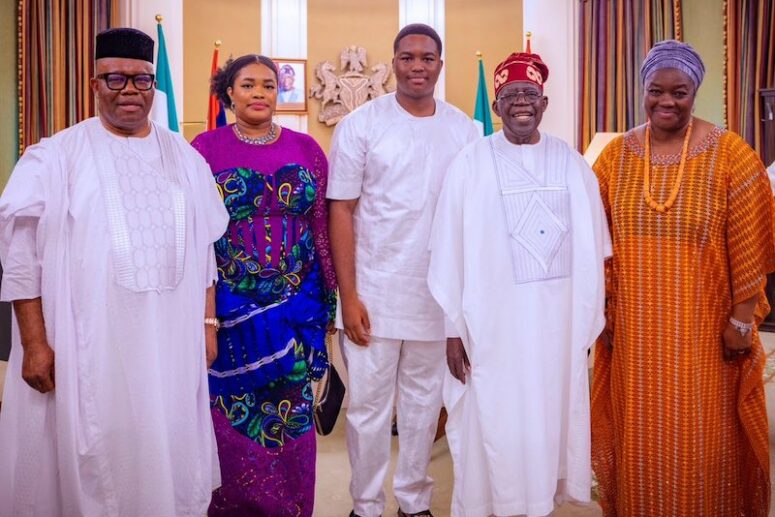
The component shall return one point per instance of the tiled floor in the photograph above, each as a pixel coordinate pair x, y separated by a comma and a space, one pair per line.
333, 470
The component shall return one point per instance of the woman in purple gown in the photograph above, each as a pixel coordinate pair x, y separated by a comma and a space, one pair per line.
274, 299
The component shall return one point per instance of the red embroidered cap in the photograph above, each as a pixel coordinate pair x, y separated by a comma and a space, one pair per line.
521, 66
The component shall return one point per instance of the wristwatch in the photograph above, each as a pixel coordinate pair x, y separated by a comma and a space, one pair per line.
742, 328
213, 322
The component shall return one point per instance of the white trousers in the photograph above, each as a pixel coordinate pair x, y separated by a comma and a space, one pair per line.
415, 370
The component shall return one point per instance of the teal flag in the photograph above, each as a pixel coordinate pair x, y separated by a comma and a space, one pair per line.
164, 103
482, 108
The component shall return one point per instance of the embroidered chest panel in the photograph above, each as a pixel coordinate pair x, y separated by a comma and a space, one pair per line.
147, 219
536, 208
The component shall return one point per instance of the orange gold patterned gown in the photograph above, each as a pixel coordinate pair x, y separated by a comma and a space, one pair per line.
676, 430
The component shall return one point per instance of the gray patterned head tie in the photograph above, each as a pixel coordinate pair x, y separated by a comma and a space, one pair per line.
673, 54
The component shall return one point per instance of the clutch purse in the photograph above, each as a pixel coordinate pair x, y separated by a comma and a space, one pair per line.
328, 397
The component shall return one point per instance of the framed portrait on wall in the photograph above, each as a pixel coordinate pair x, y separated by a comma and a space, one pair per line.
291, 85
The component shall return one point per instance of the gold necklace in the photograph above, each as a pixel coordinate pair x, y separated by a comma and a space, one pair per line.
659, 207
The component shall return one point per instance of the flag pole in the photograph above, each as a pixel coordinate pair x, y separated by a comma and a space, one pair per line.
528, 35
216, 116
164, 110
482, 116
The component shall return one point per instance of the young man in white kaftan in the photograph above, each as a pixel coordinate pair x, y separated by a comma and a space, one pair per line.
106, 233
517, 250
388, 160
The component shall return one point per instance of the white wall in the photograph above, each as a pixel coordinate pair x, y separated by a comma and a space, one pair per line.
554, 24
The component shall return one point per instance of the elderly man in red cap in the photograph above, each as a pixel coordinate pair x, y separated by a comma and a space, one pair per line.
106, 241
517, 250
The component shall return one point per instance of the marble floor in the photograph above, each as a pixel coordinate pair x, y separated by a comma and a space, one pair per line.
333, 469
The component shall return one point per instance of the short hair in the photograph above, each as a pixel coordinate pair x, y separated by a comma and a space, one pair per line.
224, 77
417, 28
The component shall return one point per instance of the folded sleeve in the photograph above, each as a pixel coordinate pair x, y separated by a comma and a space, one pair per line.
449, 328
21, 267
22, 206
347, 164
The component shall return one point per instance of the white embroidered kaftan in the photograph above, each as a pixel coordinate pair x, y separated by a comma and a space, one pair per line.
115, 235
517, 250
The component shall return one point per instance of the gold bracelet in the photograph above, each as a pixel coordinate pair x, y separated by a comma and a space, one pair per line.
213, 322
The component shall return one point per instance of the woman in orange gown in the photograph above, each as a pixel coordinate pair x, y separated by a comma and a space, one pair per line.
679, 425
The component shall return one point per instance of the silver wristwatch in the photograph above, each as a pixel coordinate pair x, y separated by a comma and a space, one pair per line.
742, 328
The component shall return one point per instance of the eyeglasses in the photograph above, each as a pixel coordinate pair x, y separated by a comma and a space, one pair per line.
117, 82
511, 97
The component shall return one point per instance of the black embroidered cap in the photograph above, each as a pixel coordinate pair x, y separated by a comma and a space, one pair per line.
124, 42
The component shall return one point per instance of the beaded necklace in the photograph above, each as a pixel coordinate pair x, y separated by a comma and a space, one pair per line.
659, 207
260, 140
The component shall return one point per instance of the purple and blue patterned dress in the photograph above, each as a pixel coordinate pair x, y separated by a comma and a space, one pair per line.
275, 297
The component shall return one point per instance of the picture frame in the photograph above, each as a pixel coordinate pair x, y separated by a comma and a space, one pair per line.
291, 85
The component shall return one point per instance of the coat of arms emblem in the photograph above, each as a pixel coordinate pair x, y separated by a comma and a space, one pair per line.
341, 94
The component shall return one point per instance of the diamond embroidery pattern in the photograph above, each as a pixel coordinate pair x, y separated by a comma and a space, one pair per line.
540, 231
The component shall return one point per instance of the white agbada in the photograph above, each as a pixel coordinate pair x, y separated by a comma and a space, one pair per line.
517, 266
395, 163
115, 235
771, 174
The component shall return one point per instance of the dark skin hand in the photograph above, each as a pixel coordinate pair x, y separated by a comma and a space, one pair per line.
457, 359
38, 358
736, 345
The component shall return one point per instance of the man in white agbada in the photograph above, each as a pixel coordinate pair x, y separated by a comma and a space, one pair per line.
771, 174
106, 233
517, 251
388, 159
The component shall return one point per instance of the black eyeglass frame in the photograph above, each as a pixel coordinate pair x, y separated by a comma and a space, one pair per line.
512, 97
127, 78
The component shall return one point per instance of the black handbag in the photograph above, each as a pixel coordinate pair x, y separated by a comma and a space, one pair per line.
328, 397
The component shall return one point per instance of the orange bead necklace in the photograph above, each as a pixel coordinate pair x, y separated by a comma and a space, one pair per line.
659, 207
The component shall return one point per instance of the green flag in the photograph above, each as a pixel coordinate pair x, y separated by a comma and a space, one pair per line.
164, 110
482, 115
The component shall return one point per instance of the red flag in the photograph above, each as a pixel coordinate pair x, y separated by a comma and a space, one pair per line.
527, 45
216, 116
